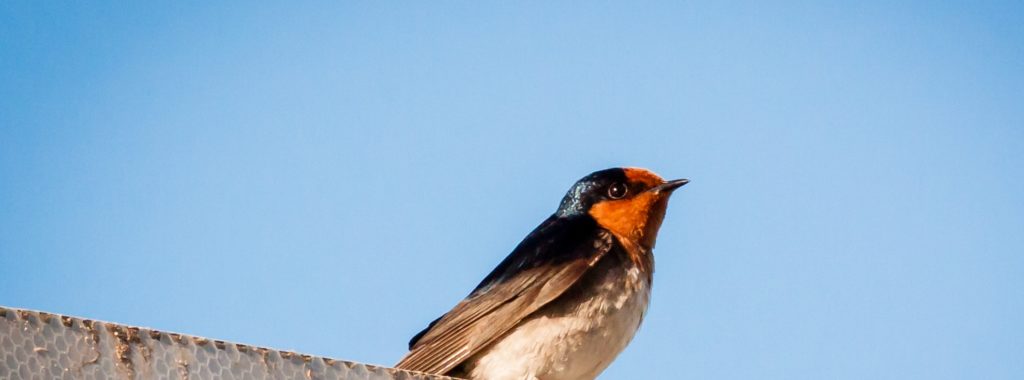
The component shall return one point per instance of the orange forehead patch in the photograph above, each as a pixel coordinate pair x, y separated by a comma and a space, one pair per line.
644, 176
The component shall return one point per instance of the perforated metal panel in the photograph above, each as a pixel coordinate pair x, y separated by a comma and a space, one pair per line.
37, 345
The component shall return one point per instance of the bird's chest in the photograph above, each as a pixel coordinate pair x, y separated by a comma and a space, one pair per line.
576, 336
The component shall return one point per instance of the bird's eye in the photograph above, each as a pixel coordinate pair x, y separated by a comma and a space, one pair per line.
617, 190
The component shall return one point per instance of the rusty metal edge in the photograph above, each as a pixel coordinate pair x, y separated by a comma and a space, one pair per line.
125, 335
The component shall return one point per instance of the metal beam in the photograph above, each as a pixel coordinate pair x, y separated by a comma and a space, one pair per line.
38, 345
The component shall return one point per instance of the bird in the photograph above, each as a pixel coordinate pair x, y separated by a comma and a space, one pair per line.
568, 299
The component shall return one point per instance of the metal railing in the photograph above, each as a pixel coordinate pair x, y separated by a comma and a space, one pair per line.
49, 346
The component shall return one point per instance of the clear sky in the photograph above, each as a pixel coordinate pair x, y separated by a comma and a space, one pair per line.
329, 177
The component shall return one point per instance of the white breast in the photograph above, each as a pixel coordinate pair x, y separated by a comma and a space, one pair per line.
574, 338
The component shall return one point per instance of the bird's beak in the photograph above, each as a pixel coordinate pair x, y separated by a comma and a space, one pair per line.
669, 186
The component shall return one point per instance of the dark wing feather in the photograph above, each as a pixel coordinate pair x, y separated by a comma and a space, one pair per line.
549, 261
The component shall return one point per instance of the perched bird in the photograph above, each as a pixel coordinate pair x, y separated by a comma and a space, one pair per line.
567, 299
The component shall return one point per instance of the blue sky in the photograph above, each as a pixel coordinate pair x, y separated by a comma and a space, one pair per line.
328, 178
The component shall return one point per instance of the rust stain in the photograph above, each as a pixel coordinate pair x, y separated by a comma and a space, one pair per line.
124, 339
91, 334
93, 360
177, 338
90, 329
182, 369
264, 357
135, 337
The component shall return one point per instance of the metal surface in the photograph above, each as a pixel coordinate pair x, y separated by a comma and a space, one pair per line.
38, 345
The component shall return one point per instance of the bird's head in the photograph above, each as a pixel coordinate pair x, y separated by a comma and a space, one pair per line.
628, 202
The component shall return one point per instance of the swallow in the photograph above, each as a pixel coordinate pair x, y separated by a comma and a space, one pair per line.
569, 297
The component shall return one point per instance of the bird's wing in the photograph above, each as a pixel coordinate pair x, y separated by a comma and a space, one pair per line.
549, 261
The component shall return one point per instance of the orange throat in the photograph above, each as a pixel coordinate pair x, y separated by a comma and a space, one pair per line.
634, 222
